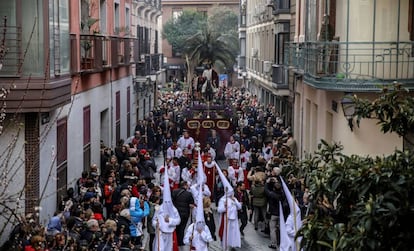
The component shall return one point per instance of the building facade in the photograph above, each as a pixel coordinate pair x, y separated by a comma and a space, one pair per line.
346, 47
266, 25
147, 72
67, 78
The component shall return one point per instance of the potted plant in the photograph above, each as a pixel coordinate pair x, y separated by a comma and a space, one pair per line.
87, 28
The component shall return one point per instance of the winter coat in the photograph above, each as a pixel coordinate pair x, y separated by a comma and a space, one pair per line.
137, 214
258, 195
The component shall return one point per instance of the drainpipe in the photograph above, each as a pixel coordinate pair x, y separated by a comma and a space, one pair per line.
112, 111
374, 17
347, 41
398, 39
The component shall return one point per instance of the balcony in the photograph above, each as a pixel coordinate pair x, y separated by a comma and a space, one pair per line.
151, 63
27, 92
94, 53
279, 6
352, 66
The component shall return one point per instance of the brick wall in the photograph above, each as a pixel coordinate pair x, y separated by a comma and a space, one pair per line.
31, 161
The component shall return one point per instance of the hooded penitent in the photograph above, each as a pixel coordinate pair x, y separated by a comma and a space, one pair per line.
286, 241
201, 176
167, 205
226, 184
200, 222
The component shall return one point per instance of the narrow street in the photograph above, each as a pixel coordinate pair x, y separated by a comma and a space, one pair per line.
252, 240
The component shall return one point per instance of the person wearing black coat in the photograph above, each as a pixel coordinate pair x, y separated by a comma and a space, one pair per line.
275, 196
243, 197
183, 200
123, 223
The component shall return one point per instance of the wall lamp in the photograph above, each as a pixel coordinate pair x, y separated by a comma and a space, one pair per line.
348, 107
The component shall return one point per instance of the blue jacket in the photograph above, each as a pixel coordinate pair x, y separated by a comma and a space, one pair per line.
137, 214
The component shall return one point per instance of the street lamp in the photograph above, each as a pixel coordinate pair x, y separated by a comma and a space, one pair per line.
349, 108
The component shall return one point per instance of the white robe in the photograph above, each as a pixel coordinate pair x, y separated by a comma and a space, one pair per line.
186, 144
232, 232
187, 176
232, 151
244, 159
199, 240
164, 234
194, 189
235, 175
171, 153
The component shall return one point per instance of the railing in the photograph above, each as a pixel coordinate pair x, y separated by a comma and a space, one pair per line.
135, 50
10, 51
93, 54
280, 6
361, 61
97, 52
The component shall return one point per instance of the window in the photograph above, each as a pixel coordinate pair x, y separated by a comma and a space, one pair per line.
118, 116
59, 37
62, 142
10, 60
102, 16
116, 17
117, 106
127, 19
30, 12
86, 125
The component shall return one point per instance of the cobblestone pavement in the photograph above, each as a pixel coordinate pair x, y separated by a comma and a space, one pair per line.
252, 239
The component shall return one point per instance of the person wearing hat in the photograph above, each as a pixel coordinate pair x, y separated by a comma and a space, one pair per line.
228, 208
165, 220
198, 235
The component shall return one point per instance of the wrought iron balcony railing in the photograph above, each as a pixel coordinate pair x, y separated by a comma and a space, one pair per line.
152, 63
279, 6
97, 52
328, 63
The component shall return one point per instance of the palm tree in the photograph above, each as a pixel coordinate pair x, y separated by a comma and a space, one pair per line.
211, 46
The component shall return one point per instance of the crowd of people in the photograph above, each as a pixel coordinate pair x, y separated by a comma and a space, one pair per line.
128, 202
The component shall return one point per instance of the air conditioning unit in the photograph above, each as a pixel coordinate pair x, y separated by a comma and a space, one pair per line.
267, 66
142, 57
255, 53
301, 38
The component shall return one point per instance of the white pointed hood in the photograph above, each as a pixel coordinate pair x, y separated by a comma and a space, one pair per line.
200, 221
167, 204
293, 206
228, 188
201, 176
295, 216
